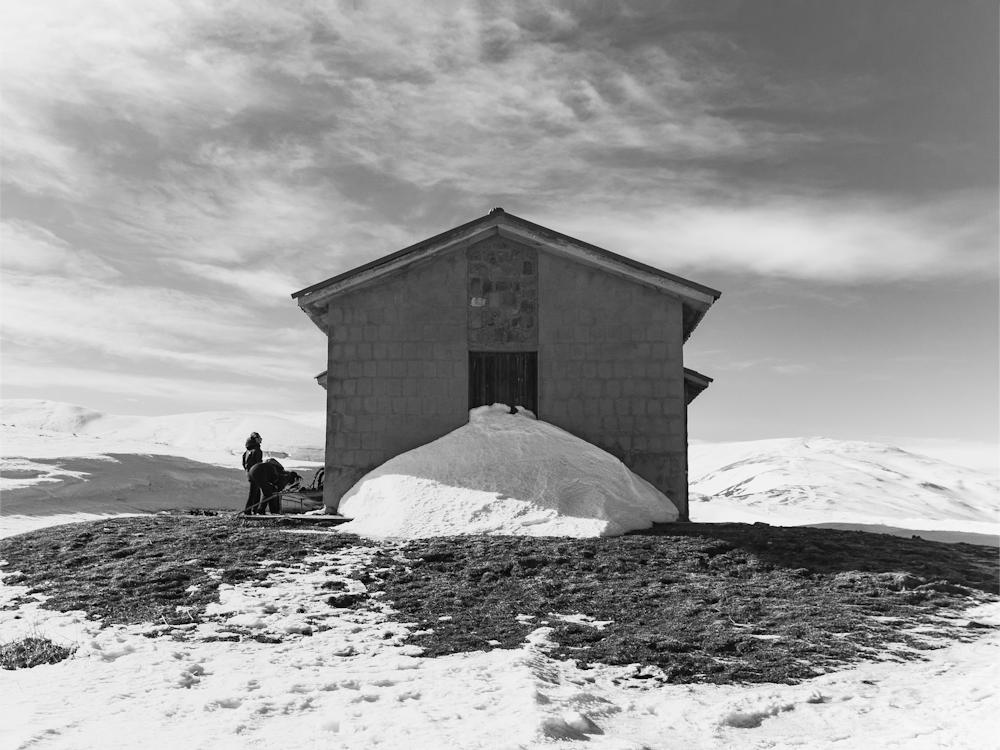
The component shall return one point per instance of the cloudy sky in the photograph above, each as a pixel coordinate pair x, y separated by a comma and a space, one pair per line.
173, 171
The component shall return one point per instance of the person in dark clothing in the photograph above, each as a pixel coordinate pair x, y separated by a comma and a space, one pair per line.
270, 477
251, 457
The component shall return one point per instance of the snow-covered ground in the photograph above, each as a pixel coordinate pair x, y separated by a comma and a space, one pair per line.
358, 684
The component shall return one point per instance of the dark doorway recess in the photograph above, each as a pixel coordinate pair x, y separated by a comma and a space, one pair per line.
503, 378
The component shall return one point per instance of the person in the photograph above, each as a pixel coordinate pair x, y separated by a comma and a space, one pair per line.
270, 477
251, 457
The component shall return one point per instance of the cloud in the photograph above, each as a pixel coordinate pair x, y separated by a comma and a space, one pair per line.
150, 325
70, 70
793, 369
835, 241
430, 95
36, 162
774, 364
223, 134
265, 286
178, 168
187, 393
30, 248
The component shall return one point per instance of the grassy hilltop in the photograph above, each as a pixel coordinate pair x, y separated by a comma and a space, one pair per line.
684, 603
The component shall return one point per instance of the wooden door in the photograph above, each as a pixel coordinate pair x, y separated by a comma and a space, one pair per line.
503, 378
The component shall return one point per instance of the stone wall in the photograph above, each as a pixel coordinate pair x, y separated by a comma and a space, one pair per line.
397, 370
611, 369
503, 296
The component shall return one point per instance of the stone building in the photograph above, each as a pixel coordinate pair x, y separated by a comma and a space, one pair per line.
501, 310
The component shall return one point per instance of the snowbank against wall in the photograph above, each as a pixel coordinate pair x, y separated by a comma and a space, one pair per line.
504, 473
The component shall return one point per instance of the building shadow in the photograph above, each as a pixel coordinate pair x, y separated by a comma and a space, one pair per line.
831, 551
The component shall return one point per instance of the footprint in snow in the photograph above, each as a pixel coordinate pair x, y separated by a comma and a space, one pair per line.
752, 716
224, 703
572, 725
189, 676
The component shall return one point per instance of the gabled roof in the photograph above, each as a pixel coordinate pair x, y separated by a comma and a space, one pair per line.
695, 297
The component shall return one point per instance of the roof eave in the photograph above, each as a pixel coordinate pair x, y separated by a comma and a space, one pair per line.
694, 384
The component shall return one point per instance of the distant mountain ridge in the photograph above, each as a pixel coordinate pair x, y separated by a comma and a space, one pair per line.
840, 476
790, 476
219, 431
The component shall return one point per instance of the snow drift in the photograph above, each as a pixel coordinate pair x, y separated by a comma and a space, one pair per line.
208, 431
504, 473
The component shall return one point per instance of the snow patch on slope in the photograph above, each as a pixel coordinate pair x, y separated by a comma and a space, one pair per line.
61, 463
804, 479
504, 473
116, 483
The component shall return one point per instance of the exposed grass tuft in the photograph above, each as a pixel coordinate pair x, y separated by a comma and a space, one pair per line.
31, 651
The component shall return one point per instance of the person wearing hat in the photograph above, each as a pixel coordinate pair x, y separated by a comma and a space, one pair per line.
251, 457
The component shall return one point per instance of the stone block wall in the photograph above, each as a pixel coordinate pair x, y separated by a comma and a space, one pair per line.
503, 296
611, 369
397, 370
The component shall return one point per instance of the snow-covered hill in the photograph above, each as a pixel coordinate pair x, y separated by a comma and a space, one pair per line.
214, 431
814, 479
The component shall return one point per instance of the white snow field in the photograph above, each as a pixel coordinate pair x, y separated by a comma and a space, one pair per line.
504, 473
213, 432
842, 484
358, 685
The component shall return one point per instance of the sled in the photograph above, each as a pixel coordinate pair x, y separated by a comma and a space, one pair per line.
296, 507
300, 501
296, 521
